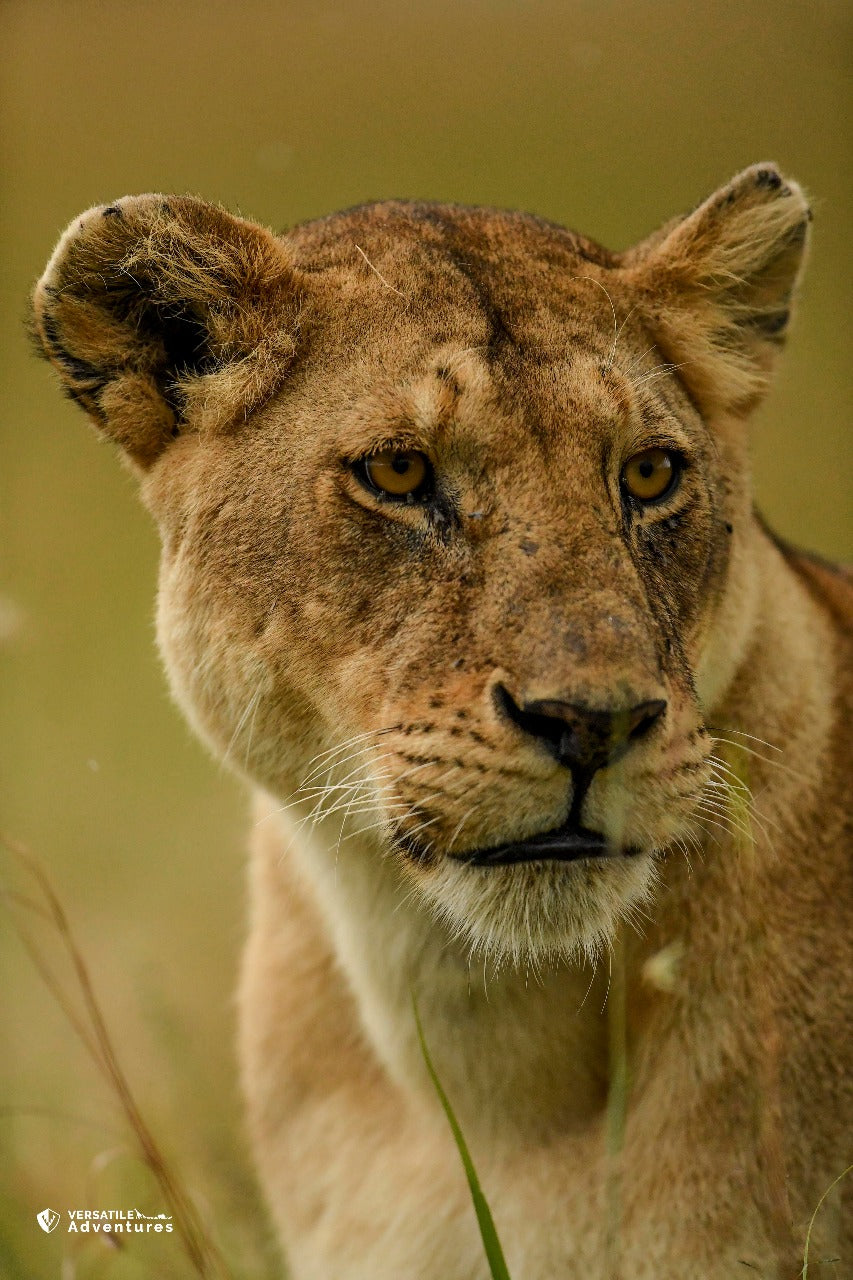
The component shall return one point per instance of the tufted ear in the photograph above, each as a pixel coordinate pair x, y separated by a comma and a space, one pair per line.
165, 314
718, 285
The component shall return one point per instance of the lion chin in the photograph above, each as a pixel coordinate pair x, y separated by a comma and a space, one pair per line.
539, 915
554, 892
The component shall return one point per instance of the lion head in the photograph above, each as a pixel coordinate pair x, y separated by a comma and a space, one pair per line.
456, 518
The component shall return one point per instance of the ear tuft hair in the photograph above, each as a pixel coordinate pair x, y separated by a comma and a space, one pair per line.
719, 286
165, 313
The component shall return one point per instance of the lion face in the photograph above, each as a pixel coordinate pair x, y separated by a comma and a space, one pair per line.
453, 509
508, 655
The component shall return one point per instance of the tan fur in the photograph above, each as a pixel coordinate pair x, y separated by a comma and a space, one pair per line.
343, 654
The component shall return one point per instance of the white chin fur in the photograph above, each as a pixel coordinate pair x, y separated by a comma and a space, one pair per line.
535, 915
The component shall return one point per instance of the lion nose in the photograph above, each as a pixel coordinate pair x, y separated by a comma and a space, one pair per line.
581, 738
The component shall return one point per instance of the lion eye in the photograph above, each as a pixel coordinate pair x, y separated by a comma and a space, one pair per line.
398, 474
650, 474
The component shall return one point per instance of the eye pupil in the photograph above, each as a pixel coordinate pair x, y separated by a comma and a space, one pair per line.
401, 464
646, 469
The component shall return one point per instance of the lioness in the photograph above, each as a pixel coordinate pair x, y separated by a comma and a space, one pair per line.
461, 571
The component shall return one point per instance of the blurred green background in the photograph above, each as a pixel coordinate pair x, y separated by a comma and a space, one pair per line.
609, 116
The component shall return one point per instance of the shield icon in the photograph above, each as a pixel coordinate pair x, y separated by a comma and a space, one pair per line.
47, 1219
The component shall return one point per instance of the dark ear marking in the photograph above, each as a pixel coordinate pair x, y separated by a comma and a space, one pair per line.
186, 346
81, 370
771, 178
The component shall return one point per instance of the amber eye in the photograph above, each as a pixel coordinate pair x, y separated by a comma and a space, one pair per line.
397, 473
650, 474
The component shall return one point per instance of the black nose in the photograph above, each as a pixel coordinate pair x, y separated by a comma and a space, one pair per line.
582, 738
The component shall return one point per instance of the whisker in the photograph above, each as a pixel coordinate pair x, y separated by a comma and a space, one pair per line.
750, 751
589, 986
736, 780
722, 811
632, 364
329, 766
742, 734
681, 844
252, 703
741, 795
695, 837
344, 782
618, 334
704, 819
356, 804
609, 977
343, 746
458, 829
609, 362
340, 790
379, 274
660, 371
350, 742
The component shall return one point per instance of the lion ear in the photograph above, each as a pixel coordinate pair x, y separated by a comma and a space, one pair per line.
166, 314
718, 285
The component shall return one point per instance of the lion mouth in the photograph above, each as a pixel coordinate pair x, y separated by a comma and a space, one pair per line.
569, 842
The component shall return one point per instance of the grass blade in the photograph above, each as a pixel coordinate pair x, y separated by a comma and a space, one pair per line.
488, 1231
844, 1172
617, 1098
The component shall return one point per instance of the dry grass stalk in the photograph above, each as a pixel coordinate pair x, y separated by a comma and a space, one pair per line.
90, 1026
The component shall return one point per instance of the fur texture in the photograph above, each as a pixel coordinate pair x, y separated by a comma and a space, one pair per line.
349, 655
